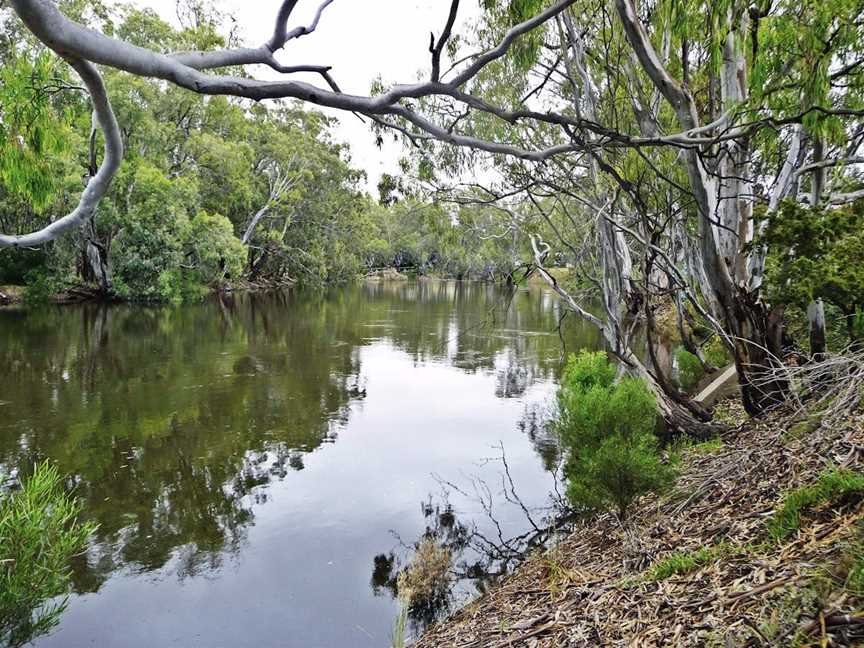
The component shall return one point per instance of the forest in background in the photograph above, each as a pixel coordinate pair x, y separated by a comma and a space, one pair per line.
213, 191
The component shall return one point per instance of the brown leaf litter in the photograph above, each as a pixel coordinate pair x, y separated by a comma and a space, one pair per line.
595, 588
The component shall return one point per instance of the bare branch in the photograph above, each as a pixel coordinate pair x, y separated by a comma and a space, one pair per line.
503, 47
436, 49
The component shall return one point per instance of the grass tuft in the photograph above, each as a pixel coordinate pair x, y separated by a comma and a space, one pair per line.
836, 486
680, 563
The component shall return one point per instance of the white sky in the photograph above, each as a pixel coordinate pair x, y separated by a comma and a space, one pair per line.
361, 39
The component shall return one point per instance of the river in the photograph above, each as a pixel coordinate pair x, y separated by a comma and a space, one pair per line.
258, 464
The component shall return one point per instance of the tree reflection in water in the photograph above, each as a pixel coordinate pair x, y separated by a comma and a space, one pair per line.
480, 558
172, 422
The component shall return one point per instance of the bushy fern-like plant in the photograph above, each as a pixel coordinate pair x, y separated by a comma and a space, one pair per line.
39, 534
607, 428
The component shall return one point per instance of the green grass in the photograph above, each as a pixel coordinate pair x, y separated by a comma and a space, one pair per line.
855, 579
836, 486
852, 562
680, 563
702, 448
400, 626
802, 428
684, 445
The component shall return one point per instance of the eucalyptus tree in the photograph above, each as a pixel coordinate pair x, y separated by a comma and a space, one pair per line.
678, 126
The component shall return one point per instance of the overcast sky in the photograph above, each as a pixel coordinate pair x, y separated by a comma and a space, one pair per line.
361, 39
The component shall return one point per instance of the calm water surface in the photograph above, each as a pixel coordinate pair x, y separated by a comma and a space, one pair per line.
248, 458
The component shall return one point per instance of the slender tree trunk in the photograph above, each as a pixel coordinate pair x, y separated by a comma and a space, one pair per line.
679, 418
816, 308
816, 320
94, 260
758, 354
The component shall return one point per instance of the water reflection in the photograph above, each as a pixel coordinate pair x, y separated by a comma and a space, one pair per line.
175, 424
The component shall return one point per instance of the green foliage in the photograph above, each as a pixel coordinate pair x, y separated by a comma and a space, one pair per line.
689, 369
40, 286
682, 562
818, 253
197, 169
148, 244
512, 12
39, 534
15, 263
833, 488
424, 238
213, 250
716, 353
607, 428
32, 130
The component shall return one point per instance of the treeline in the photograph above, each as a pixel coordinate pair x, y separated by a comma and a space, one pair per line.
213, 191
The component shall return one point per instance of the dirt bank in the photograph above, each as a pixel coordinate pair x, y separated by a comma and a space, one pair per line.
10, 295
701, 565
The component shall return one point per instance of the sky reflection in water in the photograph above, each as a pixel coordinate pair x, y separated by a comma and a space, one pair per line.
247, 458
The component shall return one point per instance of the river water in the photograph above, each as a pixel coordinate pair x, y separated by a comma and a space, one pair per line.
259, 464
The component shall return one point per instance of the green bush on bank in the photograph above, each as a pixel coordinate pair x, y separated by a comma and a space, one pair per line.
607, 429
40, 286
689, 369
39, 534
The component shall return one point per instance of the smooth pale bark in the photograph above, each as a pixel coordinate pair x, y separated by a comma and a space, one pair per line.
724, 203
623, 300
816, 309
816, 320
94, 259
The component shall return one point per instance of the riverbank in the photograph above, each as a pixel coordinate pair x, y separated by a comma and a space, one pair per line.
17, 294
759, 543
13, 295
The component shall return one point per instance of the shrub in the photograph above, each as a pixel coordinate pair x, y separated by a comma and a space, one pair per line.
39, 534
607, 429
40, 286
689, 369
425, 583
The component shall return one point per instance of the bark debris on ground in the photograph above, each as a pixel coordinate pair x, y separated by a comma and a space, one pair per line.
604, 585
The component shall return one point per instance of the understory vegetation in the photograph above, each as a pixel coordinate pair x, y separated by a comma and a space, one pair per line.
607, 430
39, 535
835, 487
757, 544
